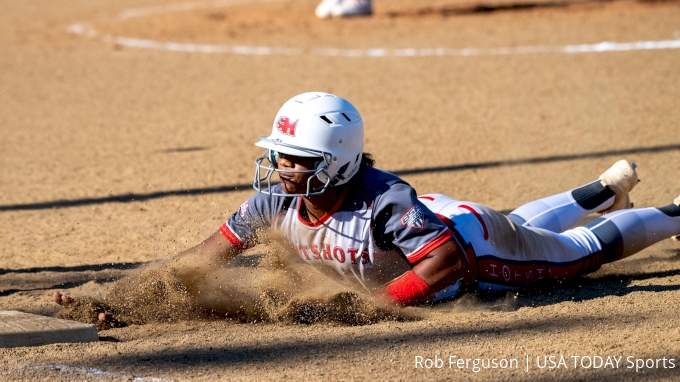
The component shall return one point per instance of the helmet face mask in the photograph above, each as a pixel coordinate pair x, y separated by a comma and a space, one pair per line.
313, 125
269, 163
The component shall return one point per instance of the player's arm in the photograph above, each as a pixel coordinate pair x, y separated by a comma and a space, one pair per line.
216, 250
441, 267
435, 259
223, 245
234, 236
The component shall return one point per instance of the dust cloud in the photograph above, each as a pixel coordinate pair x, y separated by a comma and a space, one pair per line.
267, 283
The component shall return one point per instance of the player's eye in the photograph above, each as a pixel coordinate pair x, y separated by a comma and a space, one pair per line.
309, 162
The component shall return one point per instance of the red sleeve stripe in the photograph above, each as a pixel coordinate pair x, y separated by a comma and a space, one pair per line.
429, 247
233, 239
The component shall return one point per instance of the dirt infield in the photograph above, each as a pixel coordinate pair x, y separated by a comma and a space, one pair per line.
127, 131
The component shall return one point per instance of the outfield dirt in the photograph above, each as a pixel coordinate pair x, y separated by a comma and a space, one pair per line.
115, 158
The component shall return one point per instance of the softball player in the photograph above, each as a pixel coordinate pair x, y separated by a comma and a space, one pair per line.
368, 229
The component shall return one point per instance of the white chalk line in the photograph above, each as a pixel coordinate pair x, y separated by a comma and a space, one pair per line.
131, 42
91, 372
605, 46
183, 7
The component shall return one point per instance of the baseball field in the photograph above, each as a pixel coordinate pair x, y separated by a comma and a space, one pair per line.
127, 131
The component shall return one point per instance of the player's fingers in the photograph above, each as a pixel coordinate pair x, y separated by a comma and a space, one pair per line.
56, 297
66, 300
102, 317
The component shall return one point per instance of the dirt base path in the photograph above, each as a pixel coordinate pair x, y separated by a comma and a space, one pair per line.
127, 130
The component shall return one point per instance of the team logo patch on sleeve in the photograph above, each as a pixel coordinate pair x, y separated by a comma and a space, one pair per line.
244, 209
413, 218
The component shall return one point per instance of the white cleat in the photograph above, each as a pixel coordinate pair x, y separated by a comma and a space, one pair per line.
343, 8
620, 178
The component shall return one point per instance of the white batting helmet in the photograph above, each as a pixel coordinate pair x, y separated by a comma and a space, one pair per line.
314, 124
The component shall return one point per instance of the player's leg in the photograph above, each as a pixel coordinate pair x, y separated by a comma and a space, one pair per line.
626, 232
525, 255
511, 256
508, 255
503, 253
560, 212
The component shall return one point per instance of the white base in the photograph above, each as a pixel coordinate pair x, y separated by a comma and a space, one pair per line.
25, 329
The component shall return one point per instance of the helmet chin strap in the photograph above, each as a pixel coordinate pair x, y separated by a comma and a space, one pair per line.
336, 179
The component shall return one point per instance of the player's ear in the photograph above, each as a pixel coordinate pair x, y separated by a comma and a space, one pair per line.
273, 157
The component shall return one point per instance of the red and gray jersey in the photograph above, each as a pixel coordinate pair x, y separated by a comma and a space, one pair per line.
374, 232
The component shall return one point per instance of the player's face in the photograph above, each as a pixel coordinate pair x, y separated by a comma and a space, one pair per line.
296, 182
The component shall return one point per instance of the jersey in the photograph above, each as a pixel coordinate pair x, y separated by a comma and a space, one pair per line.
373, 234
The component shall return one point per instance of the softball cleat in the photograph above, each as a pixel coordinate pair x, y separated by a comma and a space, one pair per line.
343, 8
620, 178
677, 203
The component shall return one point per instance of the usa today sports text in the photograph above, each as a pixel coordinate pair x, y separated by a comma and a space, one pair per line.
547, 362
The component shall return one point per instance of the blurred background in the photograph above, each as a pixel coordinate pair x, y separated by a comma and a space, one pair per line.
127, 133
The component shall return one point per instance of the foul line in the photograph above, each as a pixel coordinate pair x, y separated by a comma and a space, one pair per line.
605, 46
90, 372
183, 7
131, 42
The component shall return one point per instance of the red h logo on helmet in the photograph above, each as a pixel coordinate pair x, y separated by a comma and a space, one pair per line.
286, 127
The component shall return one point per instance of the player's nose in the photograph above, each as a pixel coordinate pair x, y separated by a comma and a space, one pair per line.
285, 161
